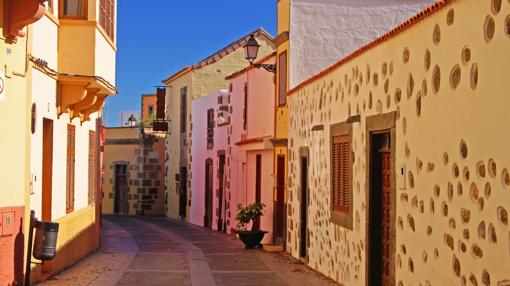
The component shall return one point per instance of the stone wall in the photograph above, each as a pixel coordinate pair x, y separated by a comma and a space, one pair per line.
443, 76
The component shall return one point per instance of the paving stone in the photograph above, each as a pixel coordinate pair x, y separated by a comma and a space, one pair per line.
248, 279
167, 262
154, 279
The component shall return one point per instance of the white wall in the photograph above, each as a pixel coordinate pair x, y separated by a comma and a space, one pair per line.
325, 31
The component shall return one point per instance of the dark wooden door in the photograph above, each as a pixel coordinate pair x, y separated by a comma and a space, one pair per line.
303, 245
221, 195
121, 190
386, 213
279, 207
208, 194
258, 186
47, 169
380, 211
183, 191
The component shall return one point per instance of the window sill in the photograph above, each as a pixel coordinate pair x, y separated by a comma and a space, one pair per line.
341, 219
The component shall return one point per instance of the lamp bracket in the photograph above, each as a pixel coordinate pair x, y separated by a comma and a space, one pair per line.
267, 67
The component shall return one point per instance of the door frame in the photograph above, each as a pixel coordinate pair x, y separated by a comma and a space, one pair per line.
276, 206
208, 194
183, 192
304, 153
47, 169
222, 164
382, 123
116, 190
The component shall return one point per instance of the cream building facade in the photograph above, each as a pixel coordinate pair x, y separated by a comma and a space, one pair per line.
184, 86
398, 170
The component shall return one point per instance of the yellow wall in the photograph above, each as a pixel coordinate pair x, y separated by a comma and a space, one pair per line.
462, 226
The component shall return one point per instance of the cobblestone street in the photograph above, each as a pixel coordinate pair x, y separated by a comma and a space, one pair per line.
157, 251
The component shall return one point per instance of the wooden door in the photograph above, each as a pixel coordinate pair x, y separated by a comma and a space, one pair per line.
183, 191
303, 245
208, 194
121, 190
258, 186
47, 169
385, 214
221, 195
279, 207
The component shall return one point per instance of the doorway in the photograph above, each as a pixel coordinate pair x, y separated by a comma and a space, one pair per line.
279, 207
221, 195
380, 209
303, 243
208, 193
47, 169
183, 191
121, 205
258, 186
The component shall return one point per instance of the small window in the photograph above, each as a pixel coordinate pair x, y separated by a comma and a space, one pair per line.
151, 109
341, 175
73, 8
107, 16
184, 108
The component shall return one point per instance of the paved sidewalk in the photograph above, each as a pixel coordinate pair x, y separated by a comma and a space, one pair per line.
158, 251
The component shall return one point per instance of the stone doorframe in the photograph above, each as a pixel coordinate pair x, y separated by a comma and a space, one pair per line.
376, 124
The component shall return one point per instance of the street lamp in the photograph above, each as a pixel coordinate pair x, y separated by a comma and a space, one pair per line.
251, 51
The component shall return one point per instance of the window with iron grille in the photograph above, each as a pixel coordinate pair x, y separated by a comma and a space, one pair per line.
107, 17
70, 167
92, 167
210, 128
341, 175
282, 79
184, 108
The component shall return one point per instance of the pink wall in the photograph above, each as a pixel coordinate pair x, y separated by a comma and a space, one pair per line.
240, 169
200, 154
242, 157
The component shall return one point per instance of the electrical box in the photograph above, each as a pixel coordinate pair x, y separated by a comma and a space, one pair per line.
8, 224
401, 176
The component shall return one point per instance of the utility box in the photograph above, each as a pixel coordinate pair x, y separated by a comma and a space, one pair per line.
7, 223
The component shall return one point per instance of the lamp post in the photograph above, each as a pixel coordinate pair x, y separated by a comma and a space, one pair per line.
251, 51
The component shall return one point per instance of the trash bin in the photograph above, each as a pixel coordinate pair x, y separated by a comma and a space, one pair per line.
45, 243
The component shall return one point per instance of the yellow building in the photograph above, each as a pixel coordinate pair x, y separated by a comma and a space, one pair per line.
398, 154
281, 127
59, 73
187, 84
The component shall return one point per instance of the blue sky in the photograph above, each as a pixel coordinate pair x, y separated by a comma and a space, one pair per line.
156, 38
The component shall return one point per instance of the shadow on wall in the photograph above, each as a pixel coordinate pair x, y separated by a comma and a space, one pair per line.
19, 243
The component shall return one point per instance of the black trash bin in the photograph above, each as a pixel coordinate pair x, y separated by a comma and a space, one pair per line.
45, 243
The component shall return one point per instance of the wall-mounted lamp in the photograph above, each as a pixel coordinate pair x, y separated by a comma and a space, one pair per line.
251, 50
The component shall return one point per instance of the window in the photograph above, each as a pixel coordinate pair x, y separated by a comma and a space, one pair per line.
73, 9
184, 108
341, 175
151, 109
210, 128
71, 141
107, 16
245, 110
49, 6
282, 79
92, 167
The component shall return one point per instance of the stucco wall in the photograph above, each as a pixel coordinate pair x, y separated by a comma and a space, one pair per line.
453, 199
200, 153
322, 31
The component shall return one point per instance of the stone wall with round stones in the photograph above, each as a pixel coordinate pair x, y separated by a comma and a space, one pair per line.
446, 77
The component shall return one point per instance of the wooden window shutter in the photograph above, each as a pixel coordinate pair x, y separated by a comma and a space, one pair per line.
70, 164
341, 168
282, 79
92, 167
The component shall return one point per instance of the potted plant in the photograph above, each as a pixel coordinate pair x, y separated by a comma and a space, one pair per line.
245, 215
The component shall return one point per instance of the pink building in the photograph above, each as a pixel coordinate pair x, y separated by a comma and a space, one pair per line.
231, 150
210, 120
250, 156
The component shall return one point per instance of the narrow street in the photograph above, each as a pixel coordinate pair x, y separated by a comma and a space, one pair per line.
159, 251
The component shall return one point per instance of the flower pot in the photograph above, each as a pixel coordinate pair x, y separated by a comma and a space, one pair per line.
252, 239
